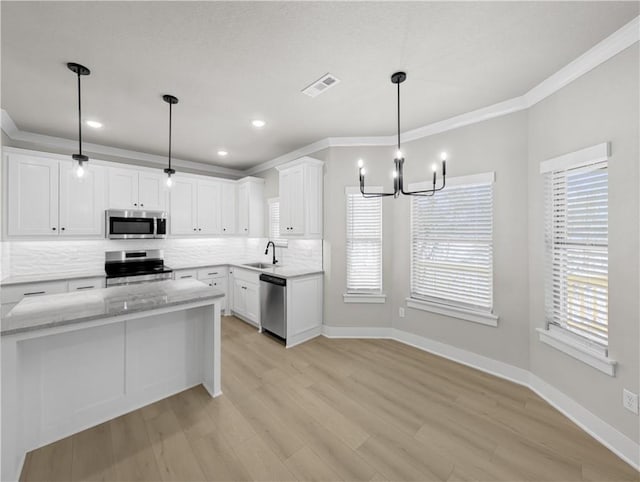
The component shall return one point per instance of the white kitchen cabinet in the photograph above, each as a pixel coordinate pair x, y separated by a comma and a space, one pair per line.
84, 284
228, 211
152, 191
11, 295
133, 189
217, 277
32, 184
301, 198
209, 207
251, 207
45, 198
246, 295
82, 201
304, 308
184, 199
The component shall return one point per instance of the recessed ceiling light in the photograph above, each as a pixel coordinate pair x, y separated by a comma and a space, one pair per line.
258, 123
94, 124
222, 153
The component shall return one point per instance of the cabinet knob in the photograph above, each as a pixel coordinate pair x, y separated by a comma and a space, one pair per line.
135, 204
246, 229
62, 229
224, 229
53, 228
194, 229
141, 205
199, 229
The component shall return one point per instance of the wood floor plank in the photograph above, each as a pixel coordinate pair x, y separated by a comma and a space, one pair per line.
173, 453
93, 454
51, 462
305, 465
134, 459
335, 410
261, 462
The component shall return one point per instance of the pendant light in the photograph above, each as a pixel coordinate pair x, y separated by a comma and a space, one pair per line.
79, 70
398, 171
171, 100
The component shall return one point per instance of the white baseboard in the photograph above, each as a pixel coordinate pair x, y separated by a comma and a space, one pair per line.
610, 437
306, 335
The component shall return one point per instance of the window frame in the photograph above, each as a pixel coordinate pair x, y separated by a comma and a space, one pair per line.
362, 295
450, 307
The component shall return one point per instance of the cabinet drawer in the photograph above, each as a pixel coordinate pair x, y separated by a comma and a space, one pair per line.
213, 272
246, 275
86, 284
186, 274
13, 294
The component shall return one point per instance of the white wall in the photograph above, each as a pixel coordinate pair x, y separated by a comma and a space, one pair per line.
601, 106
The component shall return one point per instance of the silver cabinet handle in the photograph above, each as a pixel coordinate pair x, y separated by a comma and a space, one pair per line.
34, 293
212, 273
186, 276
85, 287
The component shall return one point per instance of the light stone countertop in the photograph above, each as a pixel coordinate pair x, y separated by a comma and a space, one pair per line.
284, 271
50, 311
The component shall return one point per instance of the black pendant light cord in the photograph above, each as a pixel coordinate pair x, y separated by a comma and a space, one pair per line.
398, 85
170, 111
79, 116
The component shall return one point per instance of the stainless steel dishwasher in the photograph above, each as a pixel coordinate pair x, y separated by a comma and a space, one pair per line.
273, 305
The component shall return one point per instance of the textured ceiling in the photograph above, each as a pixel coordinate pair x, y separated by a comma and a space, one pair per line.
230, 62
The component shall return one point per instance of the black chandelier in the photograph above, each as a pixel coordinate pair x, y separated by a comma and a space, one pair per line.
171, 100
398, 171
79, 70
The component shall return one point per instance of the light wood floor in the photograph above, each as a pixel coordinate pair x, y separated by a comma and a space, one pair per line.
335, 410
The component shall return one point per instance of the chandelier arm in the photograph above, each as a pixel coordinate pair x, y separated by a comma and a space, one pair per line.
426, 192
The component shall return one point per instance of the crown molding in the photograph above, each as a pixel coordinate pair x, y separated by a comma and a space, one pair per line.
11, 130
615, 43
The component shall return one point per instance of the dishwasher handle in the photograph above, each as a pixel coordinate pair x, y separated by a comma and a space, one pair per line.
273, 279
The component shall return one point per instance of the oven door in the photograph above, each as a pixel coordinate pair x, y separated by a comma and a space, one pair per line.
130, 225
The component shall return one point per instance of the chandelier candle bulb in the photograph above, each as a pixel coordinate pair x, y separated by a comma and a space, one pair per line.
360, 163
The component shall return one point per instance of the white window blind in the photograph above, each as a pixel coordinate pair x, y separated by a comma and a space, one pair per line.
274, 223
576, 239
364, 243
452, 245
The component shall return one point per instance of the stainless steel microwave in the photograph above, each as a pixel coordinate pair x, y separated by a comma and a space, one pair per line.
129, 224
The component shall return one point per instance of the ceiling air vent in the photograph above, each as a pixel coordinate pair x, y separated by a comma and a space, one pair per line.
321, 85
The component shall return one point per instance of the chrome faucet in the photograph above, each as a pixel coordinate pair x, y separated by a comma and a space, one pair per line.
266, 251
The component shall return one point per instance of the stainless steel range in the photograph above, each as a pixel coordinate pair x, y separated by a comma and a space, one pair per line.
139, 266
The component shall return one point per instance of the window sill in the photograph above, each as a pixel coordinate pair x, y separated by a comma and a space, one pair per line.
488, 319
364, 298
577, 350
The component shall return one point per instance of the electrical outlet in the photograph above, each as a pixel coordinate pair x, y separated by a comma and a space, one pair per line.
401, 312
630, 401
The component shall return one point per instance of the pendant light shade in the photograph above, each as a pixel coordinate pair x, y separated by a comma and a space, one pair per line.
398, 170
171, 100
79, 70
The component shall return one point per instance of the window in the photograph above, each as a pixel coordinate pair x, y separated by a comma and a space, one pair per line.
274, 223
452, 246
576, 242
364, 243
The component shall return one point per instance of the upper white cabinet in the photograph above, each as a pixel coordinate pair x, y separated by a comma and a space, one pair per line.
301, 198
132, 189
184, 211
197, 206
251, 206
45, 198
81, 200
228, 213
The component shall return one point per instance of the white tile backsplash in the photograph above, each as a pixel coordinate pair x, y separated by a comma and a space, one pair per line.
46, 257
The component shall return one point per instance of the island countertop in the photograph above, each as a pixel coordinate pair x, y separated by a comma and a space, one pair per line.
68, 308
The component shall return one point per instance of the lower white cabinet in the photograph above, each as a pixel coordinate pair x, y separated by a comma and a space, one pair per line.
185, 274
246, 295
217, 277
304, 308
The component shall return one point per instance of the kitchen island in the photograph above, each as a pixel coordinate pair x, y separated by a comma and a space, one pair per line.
73, 360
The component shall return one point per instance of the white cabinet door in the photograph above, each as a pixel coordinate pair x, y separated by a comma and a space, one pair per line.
239, 297
296, 200
183, 206
209, 196
252, 302
32, 184
123, 188
152, 191
243, 209
82, 201
285, 202
228, 211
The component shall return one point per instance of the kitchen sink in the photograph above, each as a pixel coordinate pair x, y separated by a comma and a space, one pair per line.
262, 265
